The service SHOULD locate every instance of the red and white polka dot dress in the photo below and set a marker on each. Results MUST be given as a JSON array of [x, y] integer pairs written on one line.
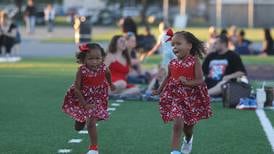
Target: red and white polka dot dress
[[94, 90], [180, 101]]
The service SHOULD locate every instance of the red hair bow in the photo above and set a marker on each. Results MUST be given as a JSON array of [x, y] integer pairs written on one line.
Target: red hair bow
[[169, 33], [83, 47]]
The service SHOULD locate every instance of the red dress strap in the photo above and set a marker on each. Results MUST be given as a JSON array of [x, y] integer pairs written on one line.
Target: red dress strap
[[93, 77], [184, 68]]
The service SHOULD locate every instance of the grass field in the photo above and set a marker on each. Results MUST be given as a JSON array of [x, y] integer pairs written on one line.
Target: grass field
[[31, 121], [254, 34]]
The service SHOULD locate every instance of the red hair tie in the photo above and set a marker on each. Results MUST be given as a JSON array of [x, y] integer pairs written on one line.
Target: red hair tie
[[170, 34], [83, 47]]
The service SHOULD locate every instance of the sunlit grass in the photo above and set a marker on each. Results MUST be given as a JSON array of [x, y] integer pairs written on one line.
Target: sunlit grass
[[31, 99], [255, 34]]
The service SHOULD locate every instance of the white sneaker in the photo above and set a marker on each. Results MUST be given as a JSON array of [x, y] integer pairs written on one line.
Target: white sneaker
[[93, 152], [175, 152], [186, 147]]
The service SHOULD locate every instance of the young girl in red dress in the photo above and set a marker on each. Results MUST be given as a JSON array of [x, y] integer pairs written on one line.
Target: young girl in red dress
[[86, 100], [184, 97]]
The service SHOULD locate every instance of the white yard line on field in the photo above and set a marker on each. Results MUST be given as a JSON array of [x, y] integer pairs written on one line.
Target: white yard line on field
[[115, 104], [120, 101], [83, 132], [266, 124], [110, 110], [75, 141], [64, 151]]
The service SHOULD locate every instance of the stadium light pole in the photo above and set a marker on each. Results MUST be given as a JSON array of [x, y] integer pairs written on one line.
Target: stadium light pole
[[182, 7], [165, 10], [250, 13], [219, 13]]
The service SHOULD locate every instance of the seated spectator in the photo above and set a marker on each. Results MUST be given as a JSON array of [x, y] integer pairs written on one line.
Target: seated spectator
[[128, 25], [164, 45], [155, 83], [243, 45], [232, 37], [223, 32], [211, 39], [7, 34], [119, 63], [147, 41], [221, 66], [268, 48], [136, 74]]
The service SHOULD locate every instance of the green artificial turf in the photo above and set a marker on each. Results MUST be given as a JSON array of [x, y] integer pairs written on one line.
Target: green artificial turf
[[31, 120]]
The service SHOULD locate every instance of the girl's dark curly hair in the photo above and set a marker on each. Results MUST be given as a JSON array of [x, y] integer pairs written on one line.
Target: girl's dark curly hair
[[197, 45], [85, 48]]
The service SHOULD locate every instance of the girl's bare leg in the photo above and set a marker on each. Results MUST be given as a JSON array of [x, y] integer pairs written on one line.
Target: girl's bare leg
[[177, 133], [92, 131]]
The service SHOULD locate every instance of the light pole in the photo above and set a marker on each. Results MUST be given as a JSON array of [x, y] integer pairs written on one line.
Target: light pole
[[165, 10], [182, 7], [219, 13], [180, 20], [250, 13]]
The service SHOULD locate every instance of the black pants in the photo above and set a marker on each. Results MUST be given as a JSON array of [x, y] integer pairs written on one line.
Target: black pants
[[6, 42]]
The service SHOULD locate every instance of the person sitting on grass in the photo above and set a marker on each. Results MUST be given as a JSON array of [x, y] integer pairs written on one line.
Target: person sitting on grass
[[136, 74], [86, 100], [268, 44], [119, 63], [7, 33], [164, 43], [243, 46], [221, 66]]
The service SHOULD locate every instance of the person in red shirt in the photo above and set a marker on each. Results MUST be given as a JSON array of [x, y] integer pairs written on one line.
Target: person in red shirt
[[119, 63]]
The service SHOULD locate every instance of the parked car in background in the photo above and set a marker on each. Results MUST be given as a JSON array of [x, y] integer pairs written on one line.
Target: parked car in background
[[155, 16], [108, 17], [132, 11], [59, 10]]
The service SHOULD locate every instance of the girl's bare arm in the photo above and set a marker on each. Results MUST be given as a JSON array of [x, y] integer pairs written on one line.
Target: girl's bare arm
[[78, 88], [163, 84], [108, 77]]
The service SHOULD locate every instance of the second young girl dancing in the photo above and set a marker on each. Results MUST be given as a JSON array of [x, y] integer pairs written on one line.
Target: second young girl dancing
[[184, 97]]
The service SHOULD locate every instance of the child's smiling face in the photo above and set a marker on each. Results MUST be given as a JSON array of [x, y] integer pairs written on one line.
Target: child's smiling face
[[181, 47], [93, 58]]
